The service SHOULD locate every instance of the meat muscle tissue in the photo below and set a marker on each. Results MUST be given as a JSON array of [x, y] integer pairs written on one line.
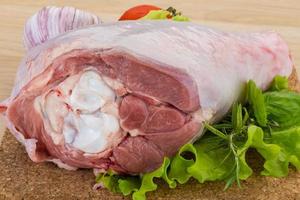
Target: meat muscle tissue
[[124, 95]]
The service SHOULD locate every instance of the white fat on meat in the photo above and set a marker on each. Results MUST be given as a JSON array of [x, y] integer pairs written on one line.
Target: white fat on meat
[[91, 93], [90, 120], [89, 133]]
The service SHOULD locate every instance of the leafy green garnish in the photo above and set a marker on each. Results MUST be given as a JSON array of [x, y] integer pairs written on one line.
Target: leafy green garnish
[[237, 117], [156, 14], [268, 122], [148, 185], [109, 181], [129, 185], [137, 186], [257, 103], [289, 141], [279, 83], [180, 18], [283, 109], [164, 14], [179, 164]]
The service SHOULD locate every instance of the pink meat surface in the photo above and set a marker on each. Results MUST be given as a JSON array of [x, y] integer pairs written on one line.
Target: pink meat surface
[[152, 83]]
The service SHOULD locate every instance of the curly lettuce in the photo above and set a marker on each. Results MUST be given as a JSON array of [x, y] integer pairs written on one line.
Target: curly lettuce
[[268, 122]]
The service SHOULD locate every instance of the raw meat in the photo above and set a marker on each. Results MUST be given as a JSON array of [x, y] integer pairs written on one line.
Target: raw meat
[[123, 95]]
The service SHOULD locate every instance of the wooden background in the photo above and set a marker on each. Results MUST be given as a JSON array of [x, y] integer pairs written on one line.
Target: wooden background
[[19, 176], [237, 15]]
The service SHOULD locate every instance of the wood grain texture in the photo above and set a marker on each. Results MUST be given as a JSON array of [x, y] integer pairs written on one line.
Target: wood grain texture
[[21, 179]]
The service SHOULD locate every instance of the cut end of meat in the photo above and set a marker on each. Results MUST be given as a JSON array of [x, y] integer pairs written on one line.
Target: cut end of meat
[[124, 95], [87, 115]]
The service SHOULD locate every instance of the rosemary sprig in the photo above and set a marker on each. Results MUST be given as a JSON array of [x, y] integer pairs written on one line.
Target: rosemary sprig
[[233, 132], [215, 131]]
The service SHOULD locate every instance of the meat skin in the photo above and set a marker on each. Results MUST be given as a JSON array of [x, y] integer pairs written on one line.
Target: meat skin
[[170, 71]]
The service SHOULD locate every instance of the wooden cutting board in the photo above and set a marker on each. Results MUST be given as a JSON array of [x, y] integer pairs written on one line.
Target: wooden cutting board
[[22, 179]]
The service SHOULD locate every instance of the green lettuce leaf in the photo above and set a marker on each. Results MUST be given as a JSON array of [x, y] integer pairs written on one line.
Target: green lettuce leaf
[[163, 14], [283, 109], [109, 181], [181, 18], [129, 184], [289, 142], [156, 14], [269, 151], [137, 186], [279, 83], [268, 122], [148, 184], [213, 160], [283, 149], [178, 167]]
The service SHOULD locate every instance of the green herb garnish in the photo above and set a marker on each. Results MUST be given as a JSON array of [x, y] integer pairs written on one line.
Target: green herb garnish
[[268, 122]]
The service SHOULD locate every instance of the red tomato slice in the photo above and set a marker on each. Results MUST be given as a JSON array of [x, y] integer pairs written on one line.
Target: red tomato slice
[[137, 12]]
